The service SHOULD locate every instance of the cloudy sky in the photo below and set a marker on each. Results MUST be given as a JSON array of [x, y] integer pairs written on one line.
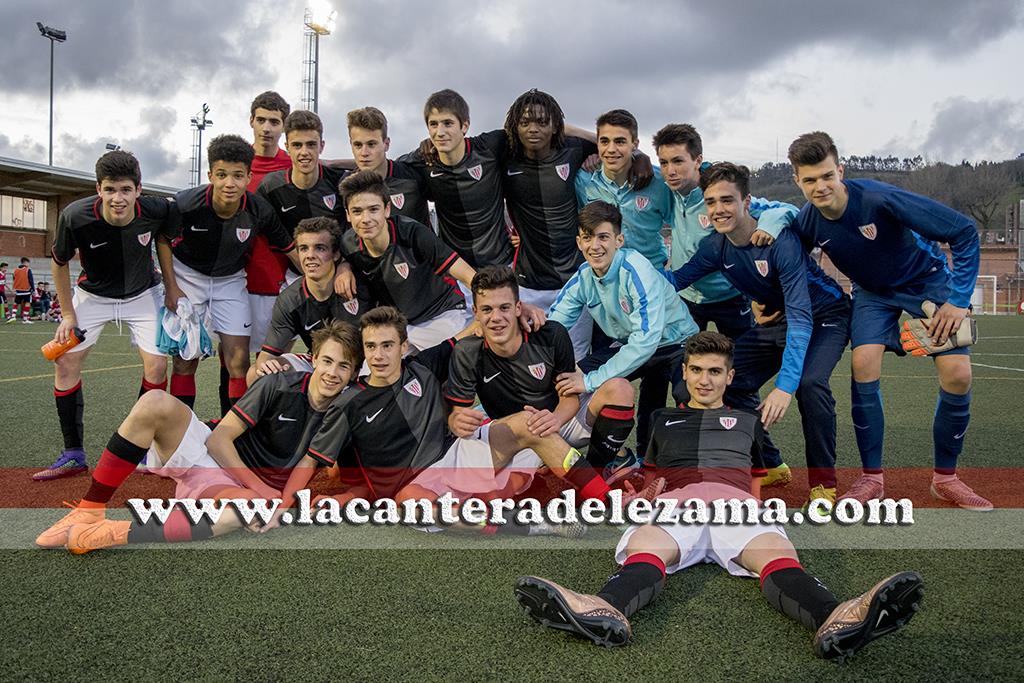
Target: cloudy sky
[[939, 78]]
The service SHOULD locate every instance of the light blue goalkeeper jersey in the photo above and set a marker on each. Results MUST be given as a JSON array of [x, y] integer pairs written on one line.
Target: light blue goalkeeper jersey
[[633, 303], [644, 211], [691, 225]]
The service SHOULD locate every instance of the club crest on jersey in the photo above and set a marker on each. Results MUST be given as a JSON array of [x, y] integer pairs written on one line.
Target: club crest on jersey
[[330, 200], [242, 234], [762, 267], [414, 388], [538, 370], [475, 172], [398, 200], [727, 422], [625, 306], [869, 231], [352, 306], [144, 238], [563, 171], [641, 203], [403, 269], [705, 222]]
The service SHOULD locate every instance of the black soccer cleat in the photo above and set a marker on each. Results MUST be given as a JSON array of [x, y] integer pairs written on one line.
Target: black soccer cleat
[[890, 604], [587, 616]]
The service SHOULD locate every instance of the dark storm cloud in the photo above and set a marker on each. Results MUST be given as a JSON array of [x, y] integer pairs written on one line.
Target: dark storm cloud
[[141, 46]]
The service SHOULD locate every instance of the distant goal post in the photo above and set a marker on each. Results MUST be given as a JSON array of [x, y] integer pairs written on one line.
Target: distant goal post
[[985, 297]]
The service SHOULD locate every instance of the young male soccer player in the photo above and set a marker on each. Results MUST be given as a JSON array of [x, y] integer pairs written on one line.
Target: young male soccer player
[[804, 347], [633, 304], [113, 235], [3, 291], [368, 135], [884, 239], [710, 299], [310, 303], [217, 227], [464, 181], [644, 211], [403, 263], [710, 452], [249, 455], [265, 270], [24, 285], [514, 373]]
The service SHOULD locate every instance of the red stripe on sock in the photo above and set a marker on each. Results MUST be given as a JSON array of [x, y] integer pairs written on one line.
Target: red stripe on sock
[[646, 558], [236, 387], [618, 413], [177, 528], [112, 470], [149, 386], [67, 392], [183, 385], [777, 564], [595, 488]]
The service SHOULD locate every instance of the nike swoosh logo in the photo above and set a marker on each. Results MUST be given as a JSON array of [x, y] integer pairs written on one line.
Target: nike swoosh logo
[[857, 426], [821, 244], [960, 435], [282, 418], [286, 209], [881, 615], [673, 422], [514, 172], [195, 229], [309, 327], [729, 265], [830, 324], [96, 246], [367, 272], [745, 312], [614, 440], [371, 418], [436, 175], [488, 379], [247, 325]]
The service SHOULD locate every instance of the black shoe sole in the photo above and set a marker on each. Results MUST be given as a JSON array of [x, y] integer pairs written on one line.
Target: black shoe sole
[[545, 605], [892, 607]]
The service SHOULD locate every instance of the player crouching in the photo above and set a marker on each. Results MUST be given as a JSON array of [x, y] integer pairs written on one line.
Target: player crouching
[[710, 452], [249, 455]]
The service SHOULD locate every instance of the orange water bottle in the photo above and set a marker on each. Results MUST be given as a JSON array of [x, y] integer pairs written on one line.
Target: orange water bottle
[[52, 350]]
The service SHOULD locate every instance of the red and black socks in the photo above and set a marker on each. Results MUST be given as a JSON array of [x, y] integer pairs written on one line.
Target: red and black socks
[[609, 433], [791, 590], [636, 584], [177, 529], [70, 405], [183, 388], [119, 459], [150, 386]]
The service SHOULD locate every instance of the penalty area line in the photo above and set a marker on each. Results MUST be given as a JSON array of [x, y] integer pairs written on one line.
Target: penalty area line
[[50, 375]]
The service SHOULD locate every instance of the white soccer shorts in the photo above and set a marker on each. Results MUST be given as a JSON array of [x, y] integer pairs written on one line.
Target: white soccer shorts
[[222, 301], [139, 313]]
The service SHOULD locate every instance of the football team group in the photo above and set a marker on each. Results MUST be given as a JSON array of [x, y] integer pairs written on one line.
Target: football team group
[[469, 351]]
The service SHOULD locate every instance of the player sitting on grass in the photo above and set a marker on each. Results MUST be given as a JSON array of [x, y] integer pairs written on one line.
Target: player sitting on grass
[[710, 452], [248, 455], [803, 347], [310, 303], [885, 240]]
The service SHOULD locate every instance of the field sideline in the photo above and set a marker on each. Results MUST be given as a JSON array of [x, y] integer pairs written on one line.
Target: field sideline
[[436, 609]]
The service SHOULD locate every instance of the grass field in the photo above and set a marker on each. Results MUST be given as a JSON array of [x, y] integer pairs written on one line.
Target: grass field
[[258, 608]]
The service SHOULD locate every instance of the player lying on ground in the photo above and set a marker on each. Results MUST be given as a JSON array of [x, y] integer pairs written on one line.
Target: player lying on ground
[[886, 241], [708, 452], [217, 226], [310, 303], [112, 235], [249, 455], [804, 341]]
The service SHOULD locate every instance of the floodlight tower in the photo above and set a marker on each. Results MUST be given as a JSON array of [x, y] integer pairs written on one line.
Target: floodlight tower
[[54, 35], [319, 21], [199, 124]]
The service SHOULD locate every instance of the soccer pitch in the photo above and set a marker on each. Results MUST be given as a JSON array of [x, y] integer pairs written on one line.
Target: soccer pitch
[[396, 604]]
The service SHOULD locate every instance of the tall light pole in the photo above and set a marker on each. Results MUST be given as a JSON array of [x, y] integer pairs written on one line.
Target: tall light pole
[[319, 21], [199, 124], [55, 35]]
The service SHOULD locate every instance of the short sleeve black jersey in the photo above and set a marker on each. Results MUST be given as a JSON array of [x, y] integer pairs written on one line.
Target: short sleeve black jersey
[[541, 199], [411, 274], [395, 431], [117, 262], [292, 204], [468, 200], [408, 196], [298, 312], [505, 385], [720, 445], [281, 425], [217, 246]]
